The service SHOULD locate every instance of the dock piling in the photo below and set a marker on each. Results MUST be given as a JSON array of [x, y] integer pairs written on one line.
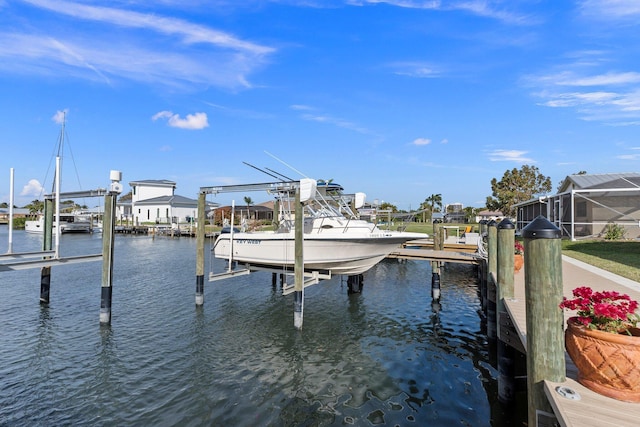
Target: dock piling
[[492, 274], [545, 329], [200, 232], [298, 305], [354, 284], [47, 245], [504, 289], [435, 281], [108, 232]]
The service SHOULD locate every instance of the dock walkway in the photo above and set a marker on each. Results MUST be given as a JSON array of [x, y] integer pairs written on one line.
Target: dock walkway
[[592, 409]]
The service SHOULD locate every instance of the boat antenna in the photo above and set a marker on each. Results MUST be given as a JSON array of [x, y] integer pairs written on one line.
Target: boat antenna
[[289, 166], [263, 171], [278, 173]]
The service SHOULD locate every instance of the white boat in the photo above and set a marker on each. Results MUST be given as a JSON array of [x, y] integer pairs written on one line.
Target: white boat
[[68, 224], [334, 239], [74, 222]]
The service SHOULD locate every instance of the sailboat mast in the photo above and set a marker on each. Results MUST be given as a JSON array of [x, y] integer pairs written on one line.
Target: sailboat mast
[[57, 184]]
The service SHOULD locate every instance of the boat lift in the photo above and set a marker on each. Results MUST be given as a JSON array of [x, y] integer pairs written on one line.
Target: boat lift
[[49, 257], [303, 190]]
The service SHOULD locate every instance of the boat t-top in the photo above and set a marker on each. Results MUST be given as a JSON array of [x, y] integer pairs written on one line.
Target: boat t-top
[[335, 239]]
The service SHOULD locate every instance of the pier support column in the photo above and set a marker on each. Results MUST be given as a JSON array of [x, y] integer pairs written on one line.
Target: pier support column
[[298, 302], [47, 245], [504, 288], [354, 284], [545, 320], [435, 281], [108, 232], [200, 232]]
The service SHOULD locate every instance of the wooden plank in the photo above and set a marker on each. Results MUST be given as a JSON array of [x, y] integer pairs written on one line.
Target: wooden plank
[[431, 255], [516, 309], [508, 333], [592, 409]]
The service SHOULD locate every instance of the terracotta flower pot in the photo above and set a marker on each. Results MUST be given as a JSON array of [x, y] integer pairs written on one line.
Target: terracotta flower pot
[[518, 262], [607, 363]]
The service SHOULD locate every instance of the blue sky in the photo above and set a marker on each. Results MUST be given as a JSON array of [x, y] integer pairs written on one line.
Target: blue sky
[[399, 99]]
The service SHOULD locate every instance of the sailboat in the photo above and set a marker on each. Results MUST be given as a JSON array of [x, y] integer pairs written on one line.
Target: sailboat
[[63, 222], [335, 240]]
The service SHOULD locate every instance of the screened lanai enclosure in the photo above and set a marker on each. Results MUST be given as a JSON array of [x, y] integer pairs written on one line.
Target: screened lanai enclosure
[[586, 205]]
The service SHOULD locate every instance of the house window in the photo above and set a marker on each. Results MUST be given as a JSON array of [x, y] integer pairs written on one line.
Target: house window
[[167, 213], [148, 214], [581, 209]]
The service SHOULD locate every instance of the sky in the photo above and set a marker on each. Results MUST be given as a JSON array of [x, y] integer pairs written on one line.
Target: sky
[[399, 99]]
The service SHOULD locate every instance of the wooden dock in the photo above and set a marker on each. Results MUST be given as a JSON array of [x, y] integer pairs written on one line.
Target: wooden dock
[[433, 255], [592, 409]]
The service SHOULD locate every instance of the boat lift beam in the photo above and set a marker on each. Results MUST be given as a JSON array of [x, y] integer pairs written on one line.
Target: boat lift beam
[[311, 277], [100, 192], [47, 262], [276, 187]]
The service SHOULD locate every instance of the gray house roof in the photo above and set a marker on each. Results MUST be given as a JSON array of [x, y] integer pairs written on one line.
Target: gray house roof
[[171, 200], [168, 200], [605, 180]]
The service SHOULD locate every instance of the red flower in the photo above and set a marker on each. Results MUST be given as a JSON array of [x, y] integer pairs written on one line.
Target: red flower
[[608, 310]]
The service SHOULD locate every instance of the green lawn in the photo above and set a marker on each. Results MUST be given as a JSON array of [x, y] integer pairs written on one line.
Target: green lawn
[[619, 257]]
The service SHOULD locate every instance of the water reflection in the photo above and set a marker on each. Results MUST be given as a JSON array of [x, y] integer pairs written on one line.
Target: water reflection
[[387, 356]]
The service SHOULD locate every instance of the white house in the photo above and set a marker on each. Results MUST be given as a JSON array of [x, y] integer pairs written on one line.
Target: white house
[[155, 201]]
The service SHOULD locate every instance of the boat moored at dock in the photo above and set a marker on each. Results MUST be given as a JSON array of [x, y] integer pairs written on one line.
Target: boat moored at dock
[[335, 240]]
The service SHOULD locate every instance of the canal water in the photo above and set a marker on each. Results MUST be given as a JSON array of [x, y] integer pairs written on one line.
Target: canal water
[[387, 356]]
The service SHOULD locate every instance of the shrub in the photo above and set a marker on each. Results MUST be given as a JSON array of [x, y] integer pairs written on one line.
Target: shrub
[[614, 232]]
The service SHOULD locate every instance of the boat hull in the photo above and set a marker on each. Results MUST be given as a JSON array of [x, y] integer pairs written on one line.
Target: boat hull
[[337, 254], [37, 226]]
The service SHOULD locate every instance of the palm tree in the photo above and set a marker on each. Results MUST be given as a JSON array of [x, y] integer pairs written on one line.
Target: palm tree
[[36, 206], [249, 202], [433, 201]]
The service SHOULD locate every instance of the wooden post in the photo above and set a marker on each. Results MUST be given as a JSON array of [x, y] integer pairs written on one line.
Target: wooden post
[[47, 245], [545, 321], [506, 241], [492, 248], [504, 289], [492, 276], [108, 231], [298, 304], [200, 231]]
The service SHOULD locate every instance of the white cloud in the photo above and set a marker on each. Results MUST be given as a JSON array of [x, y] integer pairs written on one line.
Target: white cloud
[[510, 156], [608, 96], [421, 141], [628, 157], [59, 116], [129, 45], [493, 9], [32, 188], [190, 33], [610, 8], [416, 69], [195, 121], [326, 119]]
